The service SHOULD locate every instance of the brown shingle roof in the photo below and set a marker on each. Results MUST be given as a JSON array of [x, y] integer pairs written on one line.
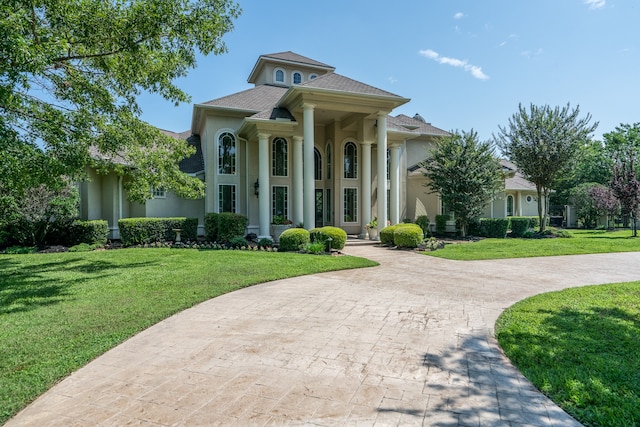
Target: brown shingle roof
[[294, 57], [516, 181], [333, 81], [256, 99], [415, 125]]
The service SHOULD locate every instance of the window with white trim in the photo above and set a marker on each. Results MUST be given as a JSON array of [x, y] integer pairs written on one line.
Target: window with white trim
[[312, 76], [227, 154], [226, 198], [279, 157], [317, 165], [510, 205], [350, 205], [296, 77], [159, 193], [279, 201], [350, 160], [328, 161], [278, 75]]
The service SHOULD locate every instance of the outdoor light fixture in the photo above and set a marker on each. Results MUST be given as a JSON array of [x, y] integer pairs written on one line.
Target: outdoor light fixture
[[256, 187]]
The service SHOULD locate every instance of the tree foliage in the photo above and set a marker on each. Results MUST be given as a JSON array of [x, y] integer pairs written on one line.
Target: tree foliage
[[466, 174], [542, 143], [604, 201], [70, 73]]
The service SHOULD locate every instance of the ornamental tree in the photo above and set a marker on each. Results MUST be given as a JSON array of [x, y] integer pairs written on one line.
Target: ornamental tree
[[604, 201], [466, 174], [542, 143], [70, 73], [626, 187]]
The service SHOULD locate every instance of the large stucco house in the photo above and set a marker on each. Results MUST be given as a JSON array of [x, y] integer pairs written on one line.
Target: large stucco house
[[304, 143]]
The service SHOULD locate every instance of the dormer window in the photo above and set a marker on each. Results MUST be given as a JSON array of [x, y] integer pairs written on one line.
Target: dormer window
[[312, 76], [279, 75], [296, 77]]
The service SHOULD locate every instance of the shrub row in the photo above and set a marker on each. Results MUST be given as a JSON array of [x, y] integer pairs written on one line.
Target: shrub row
[[140, 231], [293, 239], [224, 227], [402, 235], [93, 232]]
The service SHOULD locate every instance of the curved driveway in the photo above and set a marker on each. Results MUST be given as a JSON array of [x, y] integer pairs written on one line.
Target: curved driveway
[[407, 343]]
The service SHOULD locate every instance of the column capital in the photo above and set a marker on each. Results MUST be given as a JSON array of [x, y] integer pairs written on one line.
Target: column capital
[[264, 135], [366, 142], [297, 138], [307, 106], [382, 113]]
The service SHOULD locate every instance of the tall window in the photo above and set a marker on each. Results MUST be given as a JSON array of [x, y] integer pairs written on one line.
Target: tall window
[[350, 160], [350, 205], [227, 154], [388, 164], [226, 198], [279, 76], [327, 207], [279, 157], [317, 163], [328, 161], [280, 207], [297, 78], [509, 205]]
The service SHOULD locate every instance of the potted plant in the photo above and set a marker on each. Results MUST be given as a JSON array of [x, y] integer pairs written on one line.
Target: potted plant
[[372, 228], [278, 225]]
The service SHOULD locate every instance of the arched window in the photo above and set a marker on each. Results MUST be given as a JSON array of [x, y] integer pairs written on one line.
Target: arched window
[[350, 160], [227, 154], [312, 76], [279, 75], [328, 161], [279, 157], [296, 78], [317, 163], [388, 164], [509, 205]]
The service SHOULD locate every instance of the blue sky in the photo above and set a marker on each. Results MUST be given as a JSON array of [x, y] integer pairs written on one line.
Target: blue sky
[[464, 63]]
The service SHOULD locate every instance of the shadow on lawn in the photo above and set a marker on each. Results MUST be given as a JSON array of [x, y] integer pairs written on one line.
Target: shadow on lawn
[[26, 287], [586, 360]]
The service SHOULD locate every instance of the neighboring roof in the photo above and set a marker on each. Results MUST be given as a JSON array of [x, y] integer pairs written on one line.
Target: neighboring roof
[[256, 99], [415, 125], [515, 180], [117, 159], [195, 163], [337, 82]]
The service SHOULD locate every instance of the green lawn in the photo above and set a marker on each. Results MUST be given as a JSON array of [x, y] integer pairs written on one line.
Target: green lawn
[[59, 311], [580, 347], [583, 242]]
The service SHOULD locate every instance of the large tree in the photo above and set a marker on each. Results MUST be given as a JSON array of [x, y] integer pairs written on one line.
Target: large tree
[[466, 174], [70, 73], [542, 142]]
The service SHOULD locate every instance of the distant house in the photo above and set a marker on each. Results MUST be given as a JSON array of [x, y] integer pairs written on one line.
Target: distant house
[[304, 143]]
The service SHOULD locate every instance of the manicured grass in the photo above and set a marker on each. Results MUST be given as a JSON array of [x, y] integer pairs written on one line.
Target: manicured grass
[[59, 311], [583, 242], [581, 348]]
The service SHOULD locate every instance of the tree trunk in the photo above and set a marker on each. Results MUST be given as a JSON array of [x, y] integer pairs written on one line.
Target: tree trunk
[[541, 217]]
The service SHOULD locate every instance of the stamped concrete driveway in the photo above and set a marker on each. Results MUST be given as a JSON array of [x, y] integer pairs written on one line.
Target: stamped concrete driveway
[[407, 343]]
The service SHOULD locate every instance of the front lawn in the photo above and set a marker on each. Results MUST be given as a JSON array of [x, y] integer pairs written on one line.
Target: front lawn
[[580, 347], [583, 242], [59, 311]]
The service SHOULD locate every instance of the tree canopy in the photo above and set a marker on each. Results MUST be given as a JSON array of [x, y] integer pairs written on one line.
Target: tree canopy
[[466, 174], [542, 142], [70, 73]]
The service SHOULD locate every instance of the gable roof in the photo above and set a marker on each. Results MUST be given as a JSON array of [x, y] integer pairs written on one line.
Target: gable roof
[[515, 180], [404, 122], [288, 58], [256, 99], [337, 82]]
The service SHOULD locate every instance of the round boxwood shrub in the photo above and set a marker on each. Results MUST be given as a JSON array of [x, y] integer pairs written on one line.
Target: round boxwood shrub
[[408, 236], [338, 236], [292, 238], [386, 235]]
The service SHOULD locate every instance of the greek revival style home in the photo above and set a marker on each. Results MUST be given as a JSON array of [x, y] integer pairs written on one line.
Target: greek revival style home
[[303, 143]]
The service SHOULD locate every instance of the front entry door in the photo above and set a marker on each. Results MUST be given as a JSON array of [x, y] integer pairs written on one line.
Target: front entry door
[[319, 208]]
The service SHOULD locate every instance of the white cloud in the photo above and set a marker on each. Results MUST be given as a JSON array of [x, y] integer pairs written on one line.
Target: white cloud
[[474, 70], [595, 4], [392, 79], [458, 15]]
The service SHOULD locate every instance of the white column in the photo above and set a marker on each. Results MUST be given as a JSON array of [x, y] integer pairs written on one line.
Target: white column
[[395, 184], [298, 205], [382, 171], [366, 185], [265, 188], [309, 183], [211, 170]]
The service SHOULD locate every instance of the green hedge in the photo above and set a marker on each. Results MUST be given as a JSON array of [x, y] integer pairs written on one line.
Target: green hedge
[[408, 236], [386, 235], [423, 222], [224, 227], [494, 227], [140, 231], [441, 223], [292, 239], [338, 236], [89, 232], [519, 225]]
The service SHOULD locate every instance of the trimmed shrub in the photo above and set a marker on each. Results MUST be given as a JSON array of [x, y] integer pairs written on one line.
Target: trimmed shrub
[[211, 226], [89, 232], [423, 223], [265, 242], [441, 223], [140, 231], [494, 227], [386, 235], [338, 236], [408, 236], [238, 242], [474, 228], [519, 225], [231, 225], [293, 238]]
